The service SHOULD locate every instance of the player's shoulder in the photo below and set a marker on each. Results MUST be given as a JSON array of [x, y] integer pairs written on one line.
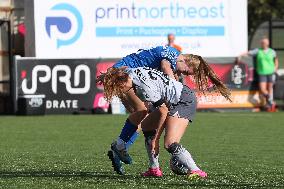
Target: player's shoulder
[[137, 71], [157, 48], [273, 52], [163, 48], [170, 48], [253, 52]]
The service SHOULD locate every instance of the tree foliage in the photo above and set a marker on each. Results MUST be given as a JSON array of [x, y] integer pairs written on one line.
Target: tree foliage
[[263, 10]]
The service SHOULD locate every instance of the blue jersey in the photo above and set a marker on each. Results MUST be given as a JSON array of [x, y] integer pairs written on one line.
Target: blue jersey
[[150, 58]]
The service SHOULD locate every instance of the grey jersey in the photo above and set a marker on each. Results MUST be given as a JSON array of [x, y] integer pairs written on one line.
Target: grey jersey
[[152, 85]]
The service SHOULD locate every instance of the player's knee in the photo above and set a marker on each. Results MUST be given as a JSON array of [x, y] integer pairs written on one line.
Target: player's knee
[[173, 148]]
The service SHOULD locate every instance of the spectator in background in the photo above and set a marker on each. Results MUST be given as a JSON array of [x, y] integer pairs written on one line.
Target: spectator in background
[[266, 66], [171, 42]]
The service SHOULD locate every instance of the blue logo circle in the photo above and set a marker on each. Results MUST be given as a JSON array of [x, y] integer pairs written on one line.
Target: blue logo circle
[[64, 24]]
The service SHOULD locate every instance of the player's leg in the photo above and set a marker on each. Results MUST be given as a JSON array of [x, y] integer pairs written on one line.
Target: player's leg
[[149, 126], [135, 118], [270, 82], [155, 121], [154, 167], [175, 127], [174, 130], [179, 116], [262, 84], [116, 163], [130, 129]]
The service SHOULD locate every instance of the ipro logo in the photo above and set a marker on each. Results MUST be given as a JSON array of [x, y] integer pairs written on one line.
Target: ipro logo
[[52, 76], [64, 29]]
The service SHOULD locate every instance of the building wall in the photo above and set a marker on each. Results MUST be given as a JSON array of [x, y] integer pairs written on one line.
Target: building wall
[[5, 10], [12, 10]]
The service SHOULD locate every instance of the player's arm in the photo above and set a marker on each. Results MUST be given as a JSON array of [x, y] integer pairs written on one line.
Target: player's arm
[[167, 69], [241, 55], [248, 53], [276, 62], [159, 131], [176, 76], [244, 54]]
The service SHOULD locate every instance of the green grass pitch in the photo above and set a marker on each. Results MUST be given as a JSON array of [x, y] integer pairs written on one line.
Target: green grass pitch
[[237, 150]]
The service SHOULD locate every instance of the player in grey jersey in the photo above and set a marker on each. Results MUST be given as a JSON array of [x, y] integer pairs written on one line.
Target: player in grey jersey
[[153, 86]]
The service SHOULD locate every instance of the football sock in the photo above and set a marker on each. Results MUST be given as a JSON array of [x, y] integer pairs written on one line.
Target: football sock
[[120, 144], [270, 99], [131, 140], [266, 96], [183, 156], [126, 134], [153, 158]]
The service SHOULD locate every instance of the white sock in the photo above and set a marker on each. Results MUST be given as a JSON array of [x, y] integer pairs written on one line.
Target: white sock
[[270, 99], [189, 161], [183, 156], [153, 158]]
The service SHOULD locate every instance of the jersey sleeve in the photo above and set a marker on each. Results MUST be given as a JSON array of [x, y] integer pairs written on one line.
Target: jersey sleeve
[[253, 52], [274, 54], [170, 54]]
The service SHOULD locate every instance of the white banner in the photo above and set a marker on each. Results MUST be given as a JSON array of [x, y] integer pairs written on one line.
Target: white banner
[[115, 28]]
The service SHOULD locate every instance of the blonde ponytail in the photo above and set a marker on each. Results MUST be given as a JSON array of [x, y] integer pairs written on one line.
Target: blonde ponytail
[[203, 73]]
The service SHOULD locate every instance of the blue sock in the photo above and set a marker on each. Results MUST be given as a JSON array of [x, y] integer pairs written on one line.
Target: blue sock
[[128, 131], [132, 140]]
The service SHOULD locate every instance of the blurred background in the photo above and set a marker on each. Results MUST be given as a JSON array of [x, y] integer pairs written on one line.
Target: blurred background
[[89, 36]]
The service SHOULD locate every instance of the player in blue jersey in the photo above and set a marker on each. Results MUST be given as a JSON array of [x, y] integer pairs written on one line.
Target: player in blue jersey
[[153, 86], [164, 58], [151, 58]]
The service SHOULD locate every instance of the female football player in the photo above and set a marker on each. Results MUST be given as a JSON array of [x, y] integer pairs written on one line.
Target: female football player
[[159, 89], [164, 58]]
